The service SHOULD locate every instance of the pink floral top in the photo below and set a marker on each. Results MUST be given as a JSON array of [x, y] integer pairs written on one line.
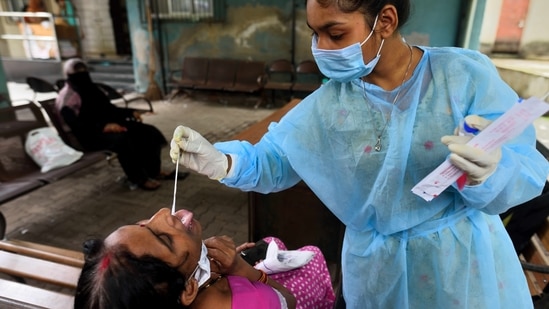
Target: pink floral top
[[311, 284]]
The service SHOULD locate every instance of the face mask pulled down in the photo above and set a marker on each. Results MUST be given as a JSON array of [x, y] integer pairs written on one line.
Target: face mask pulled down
[[344, 65], [202, 271]]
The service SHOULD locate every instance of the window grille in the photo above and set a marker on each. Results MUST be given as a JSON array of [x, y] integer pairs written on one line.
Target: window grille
[[12, 5], [187, 10]]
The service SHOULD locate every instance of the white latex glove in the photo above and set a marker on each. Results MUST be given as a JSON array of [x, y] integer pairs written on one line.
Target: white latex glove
[[277, 261], [475, 162], [197, 153]]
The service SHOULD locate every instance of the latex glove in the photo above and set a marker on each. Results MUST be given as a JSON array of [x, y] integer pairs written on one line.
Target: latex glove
[[197, 153], [277, 261], [475, 162]]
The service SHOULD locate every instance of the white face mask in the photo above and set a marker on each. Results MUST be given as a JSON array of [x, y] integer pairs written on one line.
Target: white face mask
[[202, 271]]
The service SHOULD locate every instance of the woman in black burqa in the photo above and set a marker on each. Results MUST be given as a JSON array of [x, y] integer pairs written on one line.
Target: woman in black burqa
[[98, 124]]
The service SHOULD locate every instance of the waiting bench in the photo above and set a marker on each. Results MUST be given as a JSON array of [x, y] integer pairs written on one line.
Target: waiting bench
[[24, 176], [16, 295], [232, 75], [32, 275], [38, 276]]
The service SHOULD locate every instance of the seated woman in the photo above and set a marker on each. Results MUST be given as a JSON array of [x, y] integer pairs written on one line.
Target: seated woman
[[97, 124], [164, 263]]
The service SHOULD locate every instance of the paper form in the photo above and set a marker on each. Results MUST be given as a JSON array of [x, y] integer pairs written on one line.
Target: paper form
[[503, 129]]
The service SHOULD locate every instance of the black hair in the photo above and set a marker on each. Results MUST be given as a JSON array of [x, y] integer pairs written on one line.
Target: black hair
[[116, 278], [370, 8]]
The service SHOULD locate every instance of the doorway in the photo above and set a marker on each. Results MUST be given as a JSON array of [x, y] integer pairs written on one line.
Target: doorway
[[119, 17]]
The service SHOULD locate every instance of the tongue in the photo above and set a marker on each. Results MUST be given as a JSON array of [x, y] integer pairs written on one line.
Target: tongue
[[185, 216]]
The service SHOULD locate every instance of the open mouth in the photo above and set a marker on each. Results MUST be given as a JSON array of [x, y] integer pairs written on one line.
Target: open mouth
[[186, 218]]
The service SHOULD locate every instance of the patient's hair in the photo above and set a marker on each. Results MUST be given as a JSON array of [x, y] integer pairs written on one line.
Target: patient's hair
[[116, 278]]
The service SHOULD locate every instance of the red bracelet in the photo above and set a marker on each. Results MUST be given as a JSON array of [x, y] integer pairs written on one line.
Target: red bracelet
[[264, 278]]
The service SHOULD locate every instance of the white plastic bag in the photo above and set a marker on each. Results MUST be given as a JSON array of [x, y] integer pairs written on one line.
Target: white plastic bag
[[47, 149]]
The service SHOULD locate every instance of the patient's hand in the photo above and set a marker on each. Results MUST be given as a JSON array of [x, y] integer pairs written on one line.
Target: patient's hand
[[224, 258], [114, 128], [222, 253], [244, 246], [137, 116]]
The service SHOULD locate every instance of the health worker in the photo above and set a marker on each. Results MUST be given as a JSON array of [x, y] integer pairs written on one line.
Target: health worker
[[363, 140]]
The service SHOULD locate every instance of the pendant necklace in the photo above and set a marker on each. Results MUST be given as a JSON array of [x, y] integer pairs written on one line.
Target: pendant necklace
[[378, 144]]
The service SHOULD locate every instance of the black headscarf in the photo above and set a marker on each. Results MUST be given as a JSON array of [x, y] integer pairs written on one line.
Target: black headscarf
[[95, 103]]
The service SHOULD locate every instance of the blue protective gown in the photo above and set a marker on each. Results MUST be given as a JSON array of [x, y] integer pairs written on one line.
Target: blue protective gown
[[400, 251]]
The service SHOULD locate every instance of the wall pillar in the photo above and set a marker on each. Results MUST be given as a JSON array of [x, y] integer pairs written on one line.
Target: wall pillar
[[535, 43], [4, 94], [490, 23], [139, 38], [470, 33]]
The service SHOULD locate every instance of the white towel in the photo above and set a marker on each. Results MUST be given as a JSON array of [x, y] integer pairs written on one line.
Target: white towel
[[277, 261]]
